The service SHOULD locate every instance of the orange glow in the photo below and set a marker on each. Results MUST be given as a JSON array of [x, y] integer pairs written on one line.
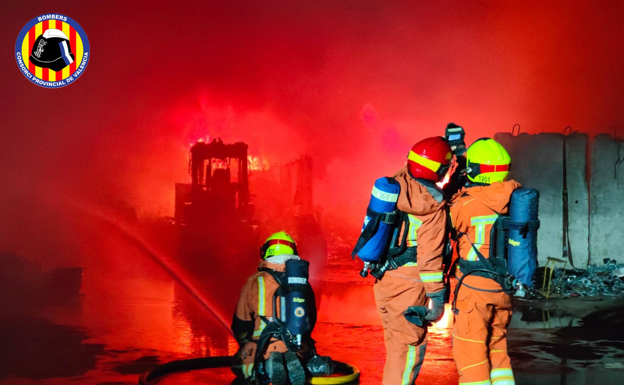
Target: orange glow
[[218, 163], [200, 140], [447, 320], [444, 180], [257, 163]]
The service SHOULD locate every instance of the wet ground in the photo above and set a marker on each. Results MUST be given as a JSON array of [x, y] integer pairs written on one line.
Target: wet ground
[[122, 326], [132, 315]]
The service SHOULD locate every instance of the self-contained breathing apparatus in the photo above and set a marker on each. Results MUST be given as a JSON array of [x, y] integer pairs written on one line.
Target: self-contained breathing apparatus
[[513, 247], [294, 323], [382, 244]]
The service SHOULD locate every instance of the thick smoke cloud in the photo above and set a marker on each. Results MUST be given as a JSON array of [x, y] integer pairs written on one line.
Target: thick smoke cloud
[[352, 83]]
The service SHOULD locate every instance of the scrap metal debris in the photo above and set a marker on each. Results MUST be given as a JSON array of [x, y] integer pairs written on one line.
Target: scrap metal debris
[[598, 280]]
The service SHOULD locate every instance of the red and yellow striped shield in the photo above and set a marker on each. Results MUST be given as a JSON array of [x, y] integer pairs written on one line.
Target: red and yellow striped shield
[[78, 46]]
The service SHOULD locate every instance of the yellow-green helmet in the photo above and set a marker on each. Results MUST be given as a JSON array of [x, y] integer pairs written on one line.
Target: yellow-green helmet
[[487, 161], [278, 244]]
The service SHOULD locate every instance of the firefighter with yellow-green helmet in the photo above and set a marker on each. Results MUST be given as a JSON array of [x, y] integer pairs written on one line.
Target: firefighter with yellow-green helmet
[[482, 303], [487, 162], [274, 319]]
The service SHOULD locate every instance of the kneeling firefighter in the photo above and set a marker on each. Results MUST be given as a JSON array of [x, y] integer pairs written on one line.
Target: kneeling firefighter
[[493, 247], [401, 244], [274, 320]]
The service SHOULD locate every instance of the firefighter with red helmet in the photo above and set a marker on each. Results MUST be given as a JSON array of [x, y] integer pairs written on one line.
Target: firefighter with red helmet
[[413, 275]]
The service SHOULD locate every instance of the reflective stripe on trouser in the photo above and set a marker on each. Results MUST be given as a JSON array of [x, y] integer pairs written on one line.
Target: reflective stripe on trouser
[[243, 370], [480, 338], [405, 342], [248, 370]]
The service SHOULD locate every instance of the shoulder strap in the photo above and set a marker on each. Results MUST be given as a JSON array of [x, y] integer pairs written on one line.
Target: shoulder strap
[[277, 275], [451, 235], [398, 246], [523, 227], [481, 257]]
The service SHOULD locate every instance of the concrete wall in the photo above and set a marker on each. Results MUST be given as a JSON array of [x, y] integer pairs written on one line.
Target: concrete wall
[[607, 200], [537, 161], [578, 198]]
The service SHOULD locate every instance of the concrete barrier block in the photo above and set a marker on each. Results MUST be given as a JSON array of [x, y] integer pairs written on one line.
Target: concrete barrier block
[[578, 198], [607, 200], [537, 161]]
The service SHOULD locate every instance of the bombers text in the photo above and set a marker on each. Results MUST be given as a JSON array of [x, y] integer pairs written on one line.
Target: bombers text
[[52, 16]]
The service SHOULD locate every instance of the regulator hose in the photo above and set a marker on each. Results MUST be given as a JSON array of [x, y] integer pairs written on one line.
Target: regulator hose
[[152, 376]]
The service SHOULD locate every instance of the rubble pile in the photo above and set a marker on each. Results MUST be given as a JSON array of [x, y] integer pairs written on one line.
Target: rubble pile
[[597, 280]]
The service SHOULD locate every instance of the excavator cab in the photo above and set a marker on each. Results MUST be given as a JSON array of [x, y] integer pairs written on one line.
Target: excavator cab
[[218, 195]]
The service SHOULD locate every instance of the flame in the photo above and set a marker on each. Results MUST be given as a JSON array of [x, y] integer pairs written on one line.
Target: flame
[[449, 172], [200, 140], [218, 163], [444, 180], [447, 319], [257, 163]]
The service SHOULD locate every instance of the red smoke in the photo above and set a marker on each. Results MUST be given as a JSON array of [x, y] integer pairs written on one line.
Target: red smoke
[[352, 83]]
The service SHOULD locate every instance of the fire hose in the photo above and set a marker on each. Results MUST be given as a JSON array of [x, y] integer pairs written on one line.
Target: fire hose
[[152, 376]]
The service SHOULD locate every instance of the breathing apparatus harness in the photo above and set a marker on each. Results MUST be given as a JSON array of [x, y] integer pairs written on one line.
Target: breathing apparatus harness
[[382, 245], [398, 254], [498, 266], [297, 315], [391, 219]]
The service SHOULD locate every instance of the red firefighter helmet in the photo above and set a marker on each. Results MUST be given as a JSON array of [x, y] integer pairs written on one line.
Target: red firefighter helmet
[[429, 159]]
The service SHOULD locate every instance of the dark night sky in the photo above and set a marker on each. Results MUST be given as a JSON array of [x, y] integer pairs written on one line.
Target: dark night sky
[[353, 83]]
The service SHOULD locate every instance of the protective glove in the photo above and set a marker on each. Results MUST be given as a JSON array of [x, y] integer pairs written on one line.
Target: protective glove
[[437, 309], [416, 315], [454, 135]]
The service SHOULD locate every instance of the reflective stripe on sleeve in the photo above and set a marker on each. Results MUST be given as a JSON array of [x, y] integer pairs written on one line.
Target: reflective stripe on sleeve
[[432, 277], [412, 230], [261, 306]]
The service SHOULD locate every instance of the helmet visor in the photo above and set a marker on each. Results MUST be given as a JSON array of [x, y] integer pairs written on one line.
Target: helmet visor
[[273, 242]]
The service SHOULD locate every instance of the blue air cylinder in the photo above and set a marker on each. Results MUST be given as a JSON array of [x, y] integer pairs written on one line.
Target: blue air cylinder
[[522, 243], [376, 233], [298, 307]]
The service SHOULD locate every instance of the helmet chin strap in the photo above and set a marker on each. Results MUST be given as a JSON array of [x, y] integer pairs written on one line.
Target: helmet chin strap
[[443, 170], [470, 183]]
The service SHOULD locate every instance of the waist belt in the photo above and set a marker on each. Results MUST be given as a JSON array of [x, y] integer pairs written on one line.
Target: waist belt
[[468, 266], [409, 255]]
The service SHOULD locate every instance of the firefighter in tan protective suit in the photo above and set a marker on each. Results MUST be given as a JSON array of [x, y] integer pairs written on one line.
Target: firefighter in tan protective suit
[[483, 309], [414, 276], [257, 325]]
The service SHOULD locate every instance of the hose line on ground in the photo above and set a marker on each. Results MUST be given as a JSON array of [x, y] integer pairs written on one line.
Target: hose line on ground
[[354, 374], [155, 374]]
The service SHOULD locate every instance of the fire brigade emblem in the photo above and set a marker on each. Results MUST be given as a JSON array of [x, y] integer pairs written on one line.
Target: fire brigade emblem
[[52, 50], [299, 312]]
